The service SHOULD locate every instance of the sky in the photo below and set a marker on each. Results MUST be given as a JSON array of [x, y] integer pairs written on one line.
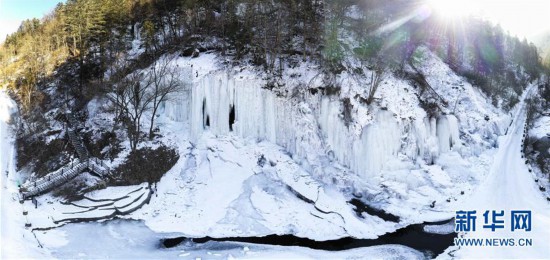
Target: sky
[[13, 12], [524, 18]]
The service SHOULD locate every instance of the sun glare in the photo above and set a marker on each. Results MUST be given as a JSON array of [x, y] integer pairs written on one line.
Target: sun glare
[[524, 18], [454, 8]]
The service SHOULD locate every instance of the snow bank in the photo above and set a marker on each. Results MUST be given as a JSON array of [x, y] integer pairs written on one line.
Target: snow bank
[[96, 205]]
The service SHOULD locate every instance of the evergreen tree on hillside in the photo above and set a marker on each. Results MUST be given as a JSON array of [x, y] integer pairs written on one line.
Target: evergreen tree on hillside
[[87, 36]]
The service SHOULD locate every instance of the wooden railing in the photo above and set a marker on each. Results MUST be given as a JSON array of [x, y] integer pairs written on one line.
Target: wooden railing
[[69, 171]]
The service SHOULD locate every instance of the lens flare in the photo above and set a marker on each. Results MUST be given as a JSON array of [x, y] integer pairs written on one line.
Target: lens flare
[[454, 8]]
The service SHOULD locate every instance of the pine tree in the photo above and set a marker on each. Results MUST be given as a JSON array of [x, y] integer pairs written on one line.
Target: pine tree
[[84, 23]]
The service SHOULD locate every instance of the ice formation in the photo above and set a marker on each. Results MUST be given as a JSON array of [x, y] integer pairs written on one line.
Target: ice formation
[[7, 109], [447, 132], [222, 103], [365, 154], [176, 108]]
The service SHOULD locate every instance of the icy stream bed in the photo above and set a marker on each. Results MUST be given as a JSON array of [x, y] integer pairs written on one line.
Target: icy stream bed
[[431, 244], [133, 239]]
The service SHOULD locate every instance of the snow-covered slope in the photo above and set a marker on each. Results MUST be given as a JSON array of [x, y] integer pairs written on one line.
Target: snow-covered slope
[[259, 159], [391, 154], [223, 192], [508, 187], [397, 129], [16, 241]]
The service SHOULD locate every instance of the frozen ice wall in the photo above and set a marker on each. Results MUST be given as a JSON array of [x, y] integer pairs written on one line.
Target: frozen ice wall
[[384, 139], [447, 133], [425, 143], [365, 154], [177, 106], [7, 150], [222, 103]]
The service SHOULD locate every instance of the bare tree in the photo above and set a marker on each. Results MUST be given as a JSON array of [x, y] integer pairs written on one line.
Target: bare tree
[[138, 92], [131, 97], [378, 74], [166, 83], [117, 72]]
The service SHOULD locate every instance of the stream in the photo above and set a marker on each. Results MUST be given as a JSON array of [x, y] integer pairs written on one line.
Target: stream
[[412, 236]]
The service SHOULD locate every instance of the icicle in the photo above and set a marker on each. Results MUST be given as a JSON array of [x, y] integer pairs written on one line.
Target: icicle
[[425, 140], [336, 134], [240, 105], [443, 134], [453, 129], [378, 143], [177, 107], [447, 133]]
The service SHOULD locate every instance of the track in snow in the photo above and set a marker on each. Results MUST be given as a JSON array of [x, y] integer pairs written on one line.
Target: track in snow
[[510, 186]]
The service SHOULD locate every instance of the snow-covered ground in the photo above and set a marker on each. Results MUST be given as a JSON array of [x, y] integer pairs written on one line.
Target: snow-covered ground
[[96, 205], [223, 192], [541, 127], [127, 238], [291, 166]]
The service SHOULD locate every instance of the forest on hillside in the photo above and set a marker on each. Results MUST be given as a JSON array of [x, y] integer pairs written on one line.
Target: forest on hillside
[[82, 42], [320, 129]]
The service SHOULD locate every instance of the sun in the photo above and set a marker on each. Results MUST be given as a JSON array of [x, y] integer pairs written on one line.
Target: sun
[[454, 8]]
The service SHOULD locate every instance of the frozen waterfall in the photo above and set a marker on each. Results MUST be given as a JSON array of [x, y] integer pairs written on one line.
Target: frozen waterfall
[[222, 103], [447, 133], [364, 154], [7, 109]]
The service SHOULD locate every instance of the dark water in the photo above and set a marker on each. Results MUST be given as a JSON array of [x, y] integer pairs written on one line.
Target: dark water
[[412, 236], [361, 207]]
